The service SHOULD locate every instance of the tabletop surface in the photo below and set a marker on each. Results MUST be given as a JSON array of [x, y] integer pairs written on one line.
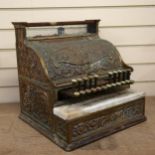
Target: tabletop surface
[[18, 138]]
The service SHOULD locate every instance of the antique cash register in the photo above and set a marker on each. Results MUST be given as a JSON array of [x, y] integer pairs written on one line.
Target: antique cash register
[[74, 86]]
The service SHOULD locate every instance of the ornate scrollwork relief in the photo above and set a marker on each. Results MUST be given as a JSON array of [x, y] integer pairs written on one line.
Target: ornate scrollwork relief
[[107, 120]]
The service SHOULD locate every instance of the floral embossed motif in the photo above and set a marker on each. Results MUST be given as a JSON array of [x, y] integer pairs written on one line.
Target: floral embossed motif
[[108, 120]]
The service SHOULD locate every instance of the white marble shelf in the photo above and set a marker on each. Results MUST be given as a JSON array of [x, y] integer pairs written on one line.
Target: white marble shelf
[[72, 111]]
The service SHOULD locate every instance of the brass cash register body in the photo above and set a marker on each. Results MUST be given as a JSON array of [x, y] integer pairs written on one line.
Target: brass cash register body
[[59, 69]]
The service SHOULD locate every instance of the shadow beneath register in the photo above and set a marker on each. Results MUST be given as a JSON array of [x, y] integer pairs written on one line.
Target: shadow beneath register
[[108, 143]]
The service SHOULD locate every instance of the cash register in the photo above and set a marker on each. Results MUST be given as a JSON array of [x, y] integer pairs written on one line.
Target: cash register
[[74, 85]]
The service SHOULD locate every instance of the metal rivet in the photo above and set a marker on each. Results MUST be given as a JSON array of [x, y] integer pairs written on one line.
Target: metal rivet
[[74, 80], [96, 75], [123, 82], [82, 92], [113, 84], [76, 94], [94, 90], [88, 91], [104, 87], [98, 88], [110, 73], [118, 83]]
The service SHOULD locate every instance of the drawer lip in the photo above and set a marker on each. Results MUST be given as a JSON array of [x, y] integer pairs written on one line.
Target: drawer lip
[[69, 112]]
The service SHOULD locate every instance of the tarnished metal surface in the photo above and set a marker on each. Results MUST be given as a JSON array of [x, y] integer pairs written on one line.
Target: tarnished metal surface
[[76, 68], [66, 58]]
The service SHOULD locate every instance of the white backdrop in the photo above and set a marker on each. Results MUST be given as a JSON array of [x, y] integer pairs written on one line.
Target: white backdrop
[[128, 24]]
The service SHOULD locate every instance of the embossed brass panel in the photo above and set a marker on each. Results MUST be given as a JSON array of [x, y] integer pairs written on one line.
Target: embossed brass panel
[[60, 67]]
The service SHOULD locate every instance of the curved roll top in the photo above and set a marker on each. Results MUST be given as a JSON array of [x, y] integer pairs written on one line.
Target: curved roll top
[[67, 58]]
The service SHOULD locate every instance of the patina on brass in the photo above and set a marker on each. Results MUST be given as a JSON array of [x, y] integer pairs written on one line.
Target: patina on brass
[[68, 67]]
